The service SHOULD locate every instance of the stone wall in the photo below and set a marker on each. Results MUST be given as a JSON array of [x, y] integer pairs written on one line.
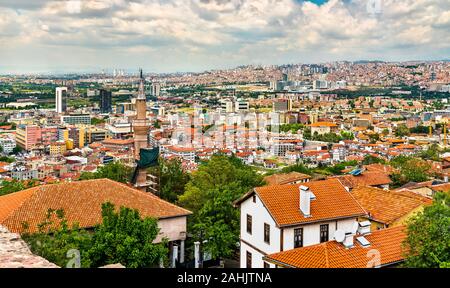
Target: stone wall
[[14, 253]]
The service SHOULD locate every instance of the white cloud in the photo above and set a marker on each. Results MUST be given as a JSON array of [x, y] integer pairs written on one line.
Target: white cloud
[[197, 34]]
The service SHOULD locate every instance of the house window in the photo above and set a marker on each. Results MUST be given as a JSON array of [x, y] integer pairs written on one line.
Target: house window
[[254, 198], [323, 233], [266, 265], [249, 224], [249, 260], [267, 233], [298, 237]]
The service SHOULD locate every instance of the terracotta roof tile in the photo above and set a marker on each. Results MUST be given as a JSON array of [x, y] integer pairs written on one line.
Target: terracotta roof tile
[[81, 202], [279, 179], [387, 206], [367, 178], [332, 254], [332, 201]]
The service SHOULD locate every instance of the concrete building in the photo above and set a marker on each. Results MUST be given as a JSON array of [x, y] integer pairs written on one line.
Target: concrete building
[[105, 101], [7, 145], [156, 89], [76, 119], [28, 136], [57, 148], [61, 99]]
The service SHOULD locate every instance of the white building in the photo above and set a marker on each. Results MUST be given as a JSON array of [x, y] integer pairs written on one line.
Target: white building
[[282, 217], [156, 89], [227, 106], [61, 99], [242, 106], [7, 145]]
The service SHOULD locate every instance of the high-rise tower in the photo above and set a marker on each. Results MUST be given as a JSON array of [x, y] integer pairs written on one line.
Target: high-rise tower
[[61, 99]]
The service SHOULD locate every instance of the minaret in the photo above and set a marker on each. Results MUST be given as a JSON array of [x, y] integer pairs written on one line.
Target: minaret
[[141, 127]]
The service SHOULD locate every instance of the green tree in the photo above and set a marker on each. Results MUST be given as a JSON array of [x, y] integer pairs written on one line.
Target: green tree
[[55, 238], [431, 153], [374, 138], [97, 121], [17, 150], [172, 179], [297, 168], [125, 238], [347, 135], [115, 171], [402, 130], [369, 159], [409, 170], [8, 187], [7, 159], [210, 195], [428, 235]]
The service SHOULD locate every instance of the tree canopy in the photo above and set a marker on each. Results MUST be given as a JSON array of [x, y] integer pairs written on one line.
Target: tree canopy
[[172, 179], [428, 235], [115, 171], [210, 195], [409, 170]]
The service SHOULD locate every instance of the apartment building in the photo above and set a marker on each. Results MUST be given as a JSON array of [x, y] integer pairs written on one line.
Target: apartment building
[[7, 145], [28, 136]]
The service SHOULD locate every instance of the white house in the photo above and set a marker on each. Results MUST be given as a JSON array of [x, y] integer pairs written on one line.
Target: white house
[[282, 217]]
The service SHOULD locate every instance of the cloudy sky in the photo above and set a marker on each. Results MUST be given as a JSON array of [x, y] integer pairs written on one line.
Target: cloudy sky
[[196, 35]]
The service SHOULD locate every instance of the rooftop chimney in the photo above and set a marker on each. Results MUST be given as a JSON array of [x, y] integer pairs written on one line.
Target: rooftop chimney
[[305, 201], [364, 228], [348, 241]]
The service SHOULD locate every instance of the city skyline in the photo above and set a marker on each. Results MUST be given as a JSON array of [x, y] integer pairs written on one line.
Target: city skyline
[[194, 36]]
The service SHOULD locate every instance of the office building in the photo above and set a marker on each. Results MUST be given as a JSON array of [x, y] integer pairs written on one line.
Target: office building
[[105, 101], [76, 119], [156, 89]]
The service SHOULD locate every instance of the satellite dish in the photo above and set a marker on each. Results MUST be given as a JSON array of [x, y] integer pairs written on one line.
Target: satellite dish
[[339, 235], [355, 227]]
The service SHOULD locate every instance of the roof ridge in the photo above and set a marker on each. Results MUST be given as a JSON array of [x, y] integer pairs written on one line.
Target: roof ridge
[[149, 194]]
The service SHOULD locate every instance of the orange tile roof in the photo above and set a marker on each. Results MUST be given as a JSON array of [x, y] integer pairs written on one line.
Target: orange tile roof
[[387, 206], [367, 178], [81, 202], [332, 254], [380, 168], [280, 179], [323, 124], [118, 141], [332, 201]]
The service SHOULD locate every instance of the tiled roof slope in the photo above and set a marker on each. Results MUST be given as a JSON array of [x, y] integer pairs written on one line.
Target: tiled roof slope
[[387, 206], [388, 242], [332, 201], [279, 179], [81, 202], [367, 178]]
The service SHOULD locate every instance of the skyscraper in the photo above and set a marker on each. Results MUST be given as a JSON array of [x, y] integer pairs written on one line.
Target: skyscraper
[[156, 88], [61, 99], [105, 101]]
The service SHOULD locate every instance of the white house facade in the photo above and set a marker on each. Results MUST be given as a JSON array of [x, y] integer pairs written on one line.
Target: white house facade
[[273, 218]]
